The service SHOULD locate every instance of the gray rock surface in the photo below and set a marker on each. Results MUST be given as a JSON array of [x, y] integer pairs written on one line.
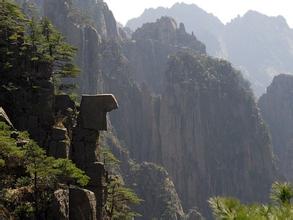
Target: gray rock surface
[[277, 110], [150, 47], [82, 204], [60, 205], [257, 44], [94, 109]]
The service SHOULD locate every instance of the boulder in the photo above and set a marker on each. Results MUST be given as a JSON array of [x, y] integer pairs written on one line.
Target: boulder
[[93, 110], [82, 204], [60, 205]]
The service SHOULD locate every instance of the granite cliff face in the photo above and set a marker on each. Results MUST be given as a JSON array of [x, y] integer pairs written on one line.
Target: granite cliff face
[[206, 129], [150, 47], [202, 125], [212, 135], [277, 110], [204, 25], [105, 69], [259, 45]]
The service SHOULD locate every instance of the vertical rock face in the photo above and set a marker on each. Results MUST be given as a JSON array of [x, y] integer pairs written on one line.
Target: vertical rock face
[[85, 147], [203, 126], [213, 141], [60, 205], [277, 110], [82, 204], [150, 47], [98, 13]]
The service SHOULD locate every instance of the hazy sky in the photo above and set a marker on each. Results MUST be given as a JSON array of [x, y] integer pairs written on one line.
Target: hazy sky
[[224, 9]]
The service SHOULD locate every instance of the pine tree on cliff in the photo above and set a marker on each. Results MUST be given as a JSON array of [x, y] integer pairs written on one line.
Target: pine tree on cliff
[[12, 28], [28, 178], [279, 208], [119, 198], [27, 44]]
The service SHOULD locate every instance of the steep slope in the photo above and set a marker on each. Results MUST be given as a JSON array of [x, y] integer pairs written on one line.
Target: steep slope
[[204, 127], [105, 69], [212, 135], [150, 46], [204, 25], [277, 110], [259, 45]]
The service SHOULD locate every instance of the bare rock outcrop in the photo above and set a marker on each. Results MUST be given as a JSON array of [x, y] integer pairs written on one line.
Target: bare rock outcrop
[[150, 47], [277, 110], [203, 127], [60, 205], [212, 135], [82, 204]]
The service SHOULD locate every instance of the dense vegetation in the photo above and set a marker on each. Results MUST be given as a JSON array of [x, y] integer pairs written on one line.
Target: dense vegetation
[[32, 50], [28, 178], [280, 207], [28, 44]]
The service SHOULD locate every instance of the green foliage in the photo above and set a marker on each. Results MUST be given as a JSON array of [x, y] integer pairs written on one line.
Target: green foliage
[[108, 158], [26, 45], [12, 27], [119, 200], [282, 193], [281, 208], [28, 178]]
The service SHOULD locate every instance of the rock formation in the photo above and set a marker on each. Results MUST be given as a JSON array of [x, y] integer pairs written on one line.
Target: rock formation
[[204, 25], [202, 125], [150, 47], [161, 200], [212, 135], [259, 45], [277, 110], [85, 150]]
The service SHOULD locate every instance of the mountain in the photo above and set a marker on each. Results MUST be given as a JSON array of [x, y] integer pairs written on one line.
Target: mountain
[[277, 109], [204, 25], [187, 128], [259, 45], [150, 46], [202, 121]]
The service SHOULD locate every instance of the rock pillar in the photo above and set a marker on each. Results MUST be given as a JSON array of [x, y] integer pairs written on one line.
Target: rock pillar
[[85, 144]]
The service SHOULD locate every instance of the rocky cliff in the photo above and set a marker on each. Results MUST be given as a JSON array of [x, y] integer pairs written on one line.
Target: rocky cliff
[[212, 135], [150, 46], [202, 125], [105, 69], [277, 110], [204, 25], [259, 45]]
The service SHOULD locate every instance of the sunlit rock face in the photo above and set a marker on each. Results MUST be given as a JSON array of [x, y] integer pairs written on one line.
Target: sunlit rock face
[[277, 110], [202, 125], [213, 140], [150, 47]]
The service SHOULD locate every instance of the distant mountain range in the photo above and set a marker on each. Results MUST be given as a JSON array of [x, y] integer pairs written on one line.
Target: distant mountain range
[[259, 45]]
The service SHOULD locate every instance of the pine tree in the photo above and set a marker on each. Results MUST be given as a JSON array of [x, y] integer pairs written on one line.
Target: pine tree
[[26, 44], [28, 178], [279, 208]]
